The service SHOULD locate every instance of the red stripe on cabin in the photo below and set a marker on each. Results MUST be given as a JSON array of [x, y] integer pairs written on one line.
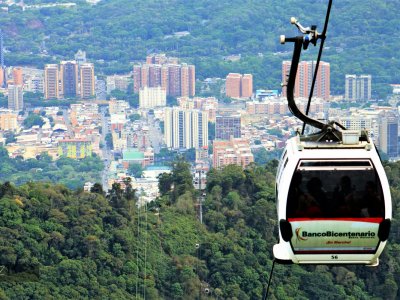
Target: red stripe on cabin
[[367, 220]]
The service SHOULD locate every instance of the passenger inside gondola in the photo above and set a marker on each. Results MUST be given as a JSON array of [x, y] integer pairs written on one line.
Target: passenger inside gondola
[[372, 204], [344, 198], [317, 193], [333, 193], [308, 208]]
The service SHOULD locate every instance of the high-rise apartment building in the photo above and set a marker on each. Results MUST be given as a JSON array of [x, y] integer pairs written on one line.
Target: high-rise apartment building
[[154, 76], [351, 87], [247, 86], [69, 79], [358, 88], [51, 78], [364, 87], [192, 81], [174, 74], [152, 97], [304, 79], [233, 82], [389, 134], [185, 129], [239, 86], [15, 97], [18, 76], [137, 77], [232, 152], [176, 79], [87, 80], [227, 127], [184, 80], [209, 104]]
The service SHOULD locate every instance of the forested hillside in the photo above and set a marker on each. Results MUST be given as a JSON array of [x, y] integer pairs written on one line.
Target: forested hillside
[[60, 244], [363, 35], [67, 171]]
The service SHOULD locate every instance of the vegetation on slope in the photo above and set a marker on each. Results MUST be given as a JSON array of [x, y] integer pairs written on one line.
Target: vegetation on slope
[[67, 171], [86, 245]]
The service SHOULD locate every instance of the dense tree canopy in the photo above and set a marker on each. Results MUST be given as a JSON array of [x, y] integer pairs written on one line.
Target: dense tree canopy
[[65, 244], [72, 173]]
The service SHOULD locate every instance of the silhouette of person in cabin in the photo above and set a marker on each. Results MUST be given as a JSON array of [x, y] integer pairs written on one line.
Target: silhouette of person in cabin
[[316, 192], [372, 205], [344, 198]]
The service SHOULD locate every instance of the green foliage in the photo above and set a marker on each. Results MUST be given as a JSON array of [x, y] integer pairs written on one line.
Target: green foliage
[[33, 120], [134, 117], [119, 95], [10, 137], [67, 171], [262, 156], [135, 170], [172, 101], [37, 100], [86, 245], [109, 141]]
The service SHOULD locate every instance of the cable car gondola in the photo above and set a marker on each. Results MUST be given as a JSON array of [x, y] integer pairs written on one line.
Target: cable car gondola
[[333, 197]]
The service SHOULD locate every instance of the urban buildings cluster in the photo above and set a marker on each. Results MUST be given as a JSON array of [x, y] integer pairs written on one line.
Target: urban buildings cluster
[[304, 78], [69, 79], [220, 133], [177, 79]]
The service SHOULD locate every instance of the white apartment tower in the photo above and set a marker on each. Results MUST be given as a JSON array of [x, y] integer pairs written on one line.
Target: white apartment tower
[[151, 97], [358, 88], [185, 129], [15, 97]]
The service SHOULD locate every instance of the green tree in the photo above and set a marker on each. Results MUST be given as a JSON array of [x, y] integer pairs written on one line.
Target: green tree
[[136, 170], [164, 183], [109, 141], [33, 120], [134, 117]]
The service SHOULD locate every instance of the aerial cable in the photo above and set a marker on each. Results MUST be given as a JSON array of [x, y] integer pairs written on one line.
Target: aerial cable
[[145, 253], [137, 253], [321, 47], [269, 280]]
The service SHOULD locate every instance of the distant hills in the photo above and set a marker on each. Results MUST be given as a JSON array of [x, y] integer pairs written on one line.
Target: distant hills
[[363, 36]]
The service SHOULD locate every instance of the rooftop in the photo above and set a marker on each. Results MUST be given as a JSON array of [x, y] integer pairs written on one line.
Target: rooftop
[[132, 154]]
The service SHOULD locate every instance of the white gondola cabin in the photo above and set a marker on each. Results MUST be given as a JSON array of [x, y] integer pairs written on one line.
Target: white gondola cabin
[[333, 202], [333, 197]]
